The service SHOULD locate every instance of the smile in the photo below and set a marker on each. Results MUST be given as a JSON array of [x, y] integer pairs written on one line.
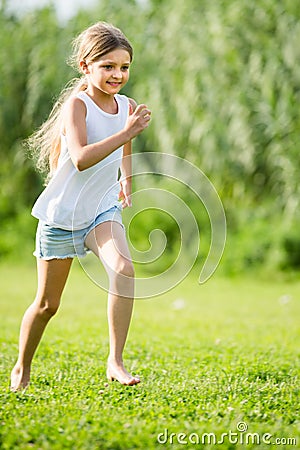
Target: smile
[[114, 83]]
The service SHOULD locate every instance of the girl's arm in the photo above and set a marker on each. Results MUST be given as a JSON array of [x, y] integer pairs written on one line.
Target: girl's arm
[[126, 167], [86, 155], [126, 173]]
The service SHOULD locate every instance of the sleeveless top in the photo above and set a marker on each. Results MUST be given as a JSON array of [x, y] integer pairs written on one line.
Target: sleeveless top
[[73, 199]]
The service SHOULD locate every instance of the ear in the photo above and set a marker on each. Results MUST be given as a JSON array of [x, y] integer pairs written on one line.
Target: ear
[[84, 67]]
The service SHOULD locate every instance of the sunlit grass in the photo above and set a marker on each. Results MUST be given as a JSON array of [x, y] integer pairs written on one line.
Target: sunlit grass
[[209, 357]]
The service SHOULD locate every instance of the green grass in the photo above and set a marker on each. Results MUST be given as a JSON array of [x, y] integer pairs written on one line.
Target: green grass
[[209, 356]]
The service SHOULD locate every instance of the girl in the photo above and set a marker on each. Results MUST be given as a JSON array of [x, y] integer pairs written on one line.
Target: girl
[[86, 140]]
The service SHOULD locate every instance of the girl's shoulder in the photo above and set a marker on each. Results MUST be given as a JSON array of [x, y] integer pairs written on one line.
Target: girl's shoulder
[[75, 100], [128, 100], [74, 104]]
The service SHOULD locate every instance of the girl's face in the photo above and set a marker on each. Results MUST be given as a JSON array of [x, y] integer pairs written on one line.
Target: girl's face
[[109, 73]]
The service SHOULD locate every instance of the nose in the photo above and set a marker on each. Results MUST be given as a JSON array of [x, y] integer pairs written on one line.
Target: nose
[[117, 73]]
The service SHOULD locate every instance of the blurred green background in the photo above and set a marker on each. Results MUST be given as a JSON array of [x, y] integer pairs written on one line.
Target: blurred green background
[[222, 79]]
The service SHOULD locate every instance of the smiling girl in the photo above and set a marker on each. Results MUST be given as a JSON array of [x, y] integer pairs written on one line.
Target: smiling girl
[[84, 142]]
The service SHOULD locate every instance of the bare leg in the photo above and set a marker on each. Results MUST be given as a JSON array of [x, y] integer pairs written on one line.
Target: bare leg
[[108, 242], [52, 276]]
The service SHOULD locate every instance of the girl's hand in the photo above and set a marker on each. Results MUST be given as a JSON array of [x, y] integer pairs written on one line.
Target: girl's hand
[[138, 121], [125, 193]]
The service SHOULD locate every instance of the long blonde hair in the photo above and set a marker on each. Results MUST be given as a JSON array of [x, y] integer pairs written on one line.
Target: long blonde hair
[[89, 46]]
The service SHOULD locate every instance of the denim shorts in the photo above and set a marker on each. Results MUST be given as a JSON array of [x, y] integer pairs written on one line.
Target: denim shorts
[[56, 243]]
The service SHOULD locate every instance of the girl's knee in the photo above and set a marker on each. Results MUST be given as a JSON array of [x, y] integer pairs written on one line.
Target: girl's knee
[[123, 267], [47, 306], [126, 268]]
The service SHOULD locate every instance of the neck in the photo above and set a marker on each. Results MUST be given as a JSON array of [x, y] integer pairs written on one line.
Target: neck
[[106, 102]]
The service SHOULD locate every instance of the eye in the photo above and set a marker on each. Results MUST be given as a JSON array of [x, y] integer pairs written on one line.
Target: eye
[[107, 66], [125, 68]]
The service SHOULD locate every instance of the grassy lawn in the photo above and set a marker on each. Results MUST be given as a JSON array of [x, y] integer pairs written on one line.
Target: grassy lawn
[[216, 358]]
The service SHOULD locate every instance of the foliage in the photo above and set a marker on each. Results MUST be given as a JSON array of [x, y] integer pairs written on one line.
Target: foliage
[[226, 74], [220, 77], [291, 246], [209, 357], [32, 75]]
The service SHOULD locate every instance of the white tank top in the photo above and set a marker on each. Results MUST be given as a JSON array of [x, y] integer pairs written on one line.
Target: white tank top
[[73, 199]]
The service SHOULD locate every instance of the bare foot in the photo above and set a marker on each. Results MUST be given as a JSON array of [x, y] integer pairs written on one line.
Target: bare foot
[[118, 372], [19, 380]]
